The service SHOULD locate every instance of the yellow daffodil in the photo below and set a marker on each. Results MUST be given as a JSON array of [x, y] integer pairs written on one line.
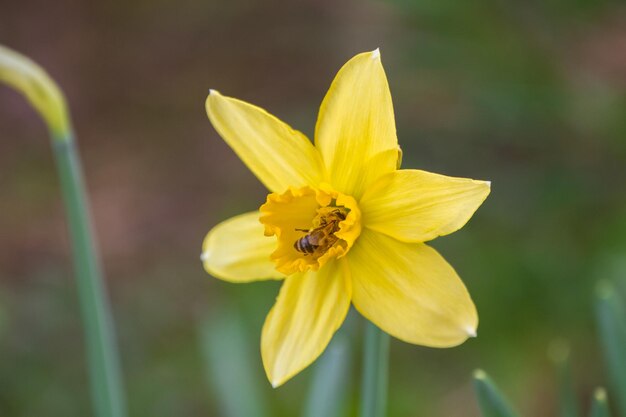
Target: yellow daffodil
[[342, 224]]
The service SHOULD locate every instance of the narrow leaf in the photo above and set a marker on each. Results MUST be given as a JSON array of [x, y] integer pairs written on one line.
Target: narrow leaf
[[559, 354], [599, 404], [327, 394], [226, 348], [612, 327], [375, 372], [491, 401]]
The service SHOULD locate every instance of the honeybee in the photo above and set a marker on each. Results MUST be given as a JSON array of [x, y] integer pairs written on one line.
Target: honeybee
[[323, 235]]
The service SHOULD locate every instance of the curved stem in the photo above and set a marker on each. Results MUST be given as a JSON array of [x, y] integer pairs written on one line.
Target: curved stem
[[29, 79], [375, 372], [102, 355]]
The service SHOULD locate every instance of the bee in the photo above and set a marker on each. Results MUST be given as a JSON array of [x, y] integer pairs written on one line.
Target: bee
[[323, 235]]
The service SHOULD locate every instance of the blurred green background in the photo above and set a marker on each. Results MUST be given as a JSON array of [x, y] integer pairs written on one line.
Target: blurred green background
[[528, 94]]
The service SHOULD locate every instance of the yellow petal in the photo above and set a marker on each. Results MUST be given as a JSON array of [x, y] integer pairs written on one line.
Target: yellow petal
[[355, 131], [278, 155], [236, 250], [310, 307], [410, 291], [417, 206], [42, 92]]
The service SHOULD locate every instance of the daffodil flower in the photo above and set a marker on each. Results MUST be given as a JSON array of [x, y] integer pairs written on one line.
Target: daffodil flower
[[342, 224]]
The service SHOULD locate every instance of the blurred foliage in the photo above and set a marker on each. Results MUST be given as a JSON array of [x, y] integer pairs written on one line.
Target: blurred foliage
[[227, 349], [530, 95], [568, 402], [491, 401], [611, 323], [611, 318], [599, 404]]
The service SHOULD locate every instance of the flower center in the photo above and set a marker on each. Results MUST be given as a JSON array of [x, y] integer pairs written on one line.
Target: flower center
[[312, 227], [321, 236]]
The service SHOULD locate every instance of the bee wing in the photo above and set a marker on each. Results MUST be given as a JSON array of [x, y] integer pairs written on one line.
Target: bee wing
[[316, 236]]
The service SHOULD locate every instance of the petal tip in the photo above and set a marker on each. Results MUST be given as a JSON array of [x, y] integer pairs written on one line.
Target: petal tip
[[210, 101], [488, 183], [275, 380], [212, 94], [204, 256], [471, 331], [376, 53]]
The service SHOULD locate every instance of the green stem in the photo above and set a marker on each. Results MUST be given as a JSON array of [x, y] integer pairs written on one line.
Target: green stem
[[375, 372], [106, 385]]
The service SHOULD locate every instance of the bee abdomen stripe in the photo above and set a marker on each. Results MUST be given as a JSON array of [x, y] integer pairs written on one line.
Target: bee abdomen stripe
[[304, 245]]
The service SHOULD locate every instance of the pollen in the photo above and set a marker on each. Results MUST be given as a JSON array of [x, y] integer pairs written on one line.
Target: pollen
[[312, 226]]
